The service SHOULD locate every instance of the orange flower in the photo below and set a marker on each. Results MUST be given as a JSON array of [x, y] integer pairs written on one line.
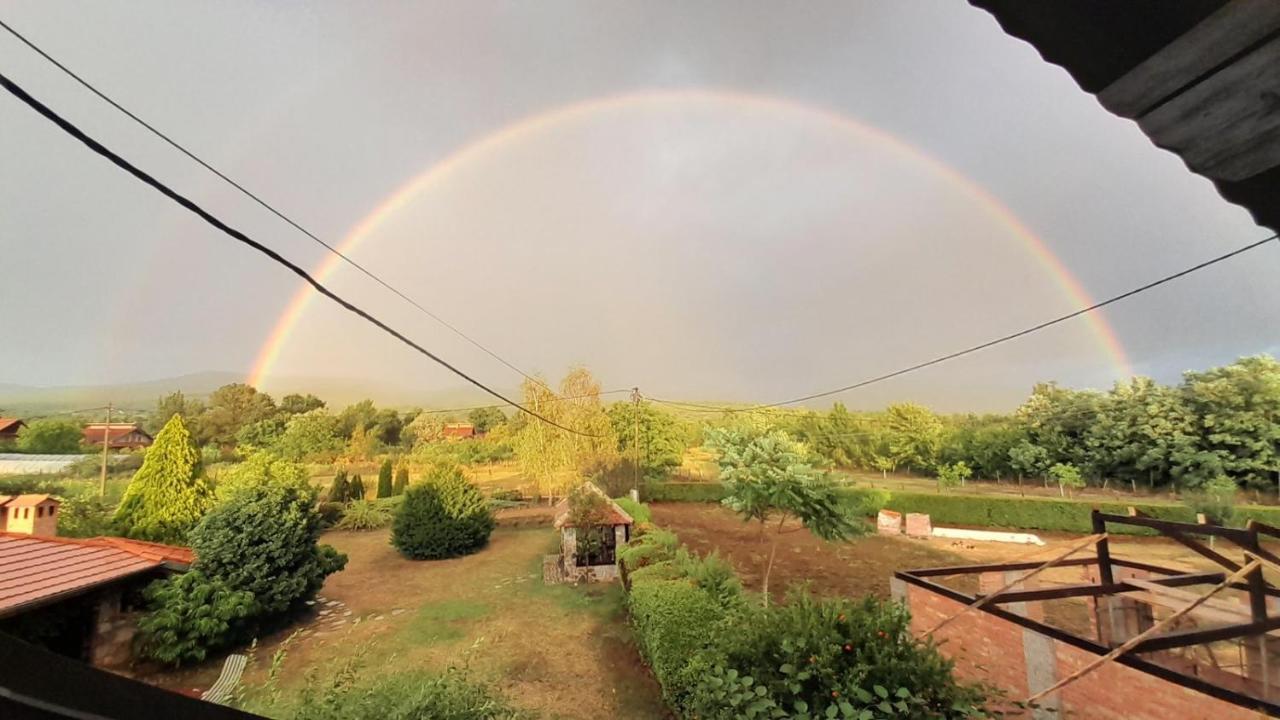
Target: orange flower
[[835, 694]]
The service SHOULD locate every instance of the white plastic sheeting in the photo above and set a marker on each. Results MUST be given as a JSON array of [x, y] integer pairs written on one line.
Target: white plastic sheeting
[[23, 464], [987, 535]]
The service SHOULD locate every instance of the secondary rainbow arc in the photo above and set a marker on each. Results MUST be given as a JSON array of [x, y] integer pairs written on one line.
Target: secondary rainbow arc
[[529, 127]]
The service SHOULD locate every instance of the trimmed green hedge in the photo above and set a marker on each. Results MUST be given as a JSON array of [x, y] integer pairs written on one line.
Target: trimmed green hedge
[[1001, 511], [684, 492]]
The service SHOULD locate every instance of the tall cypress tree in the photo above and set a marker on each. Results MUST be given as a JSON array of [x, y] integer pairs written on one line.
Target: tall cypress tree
[[169, 493], [402, 481], [355, 491], [384, 479]]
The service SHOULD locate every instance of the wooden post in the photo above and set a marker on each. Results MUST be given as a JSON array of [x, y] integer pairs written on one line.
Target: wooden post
[[1104, 549], [988, 598], [106, 442], [1254, 566]]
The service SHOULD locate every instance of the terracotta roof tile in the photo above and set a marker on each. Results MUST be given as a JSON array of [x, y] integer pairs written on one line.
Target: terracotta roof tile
[[24, 500], [614, 514], [35, 570], [8, 424]]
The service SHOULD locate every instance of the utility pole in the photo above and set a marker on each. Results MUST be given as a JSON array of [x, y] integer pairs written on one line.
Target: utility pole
[[106, 442], [635, 444]]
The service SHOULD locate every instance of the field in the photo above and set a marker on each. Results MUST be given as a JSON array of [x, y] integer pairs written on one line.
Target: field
[[561, 651], [863, 565]]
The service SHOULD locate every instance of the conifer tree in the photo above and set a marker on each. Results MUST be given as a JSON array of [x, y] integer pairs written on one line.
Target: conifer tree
[[384, 479], [355, 491], [340, 489], [402, 481], [169, 493]]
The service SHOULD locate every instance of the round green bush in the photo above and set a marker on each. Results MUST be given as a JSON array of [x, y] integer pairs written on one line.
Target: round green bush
[[442, 518]]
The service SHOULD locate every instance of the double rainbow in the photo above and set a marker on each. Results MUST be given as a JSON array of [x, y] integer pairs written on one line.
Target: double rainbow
[[527, 128]]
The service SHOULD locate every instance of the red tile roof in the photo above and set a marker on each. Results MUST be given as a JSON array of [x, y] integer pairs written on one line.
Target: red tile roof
[[9, 425], [24, 500], [93, 432], [38, 570], [614, 515]]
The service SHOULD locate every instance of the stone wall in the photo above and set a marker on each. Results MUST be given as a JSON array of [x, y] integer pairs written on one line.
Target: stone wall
[[111, 641]]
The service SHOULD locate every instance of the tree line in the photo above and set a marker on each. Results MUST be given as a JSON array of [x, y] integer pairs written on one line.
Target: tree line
[[1218, 423]]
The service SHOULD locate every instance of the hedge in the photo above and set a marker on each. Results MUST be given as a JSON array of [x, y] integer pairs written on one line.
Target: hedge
[[671, 620], [1030, 513]]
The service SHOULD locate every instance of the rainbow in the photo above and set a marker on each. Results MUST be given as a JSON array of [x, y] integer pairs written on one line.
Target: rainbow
[[529, 127]]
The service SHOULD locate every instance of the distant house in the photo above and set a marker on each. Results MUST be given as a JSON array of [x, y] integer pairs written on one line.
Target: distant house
[[9, 428], [77, 597], [458, 431], [120, 436]]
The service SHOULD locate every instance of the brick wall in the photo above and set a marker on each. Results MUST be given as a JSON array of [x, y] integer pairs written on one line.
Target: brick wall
[[1015, 659]]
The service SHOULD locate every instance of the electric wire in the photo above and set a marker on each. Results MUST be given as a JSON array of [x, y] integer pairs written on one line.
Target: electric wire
[[168, 192], [182, 149]]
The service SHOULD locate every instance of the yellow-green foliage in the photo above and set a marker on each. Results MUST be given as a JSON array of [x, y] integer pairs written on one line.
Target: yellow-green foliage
[[169, 493]]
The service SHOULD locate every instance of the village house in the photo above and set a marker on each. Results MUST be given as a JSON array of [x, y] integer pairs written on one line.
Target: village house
[[76, 597], [594, 561], [119, 436], [458, 431], [9, 428]]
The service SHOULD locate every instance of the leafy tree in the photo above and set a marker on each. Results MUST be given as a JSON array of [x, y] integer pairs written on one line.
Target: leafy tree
[[384, 480], [264, 541], [425, 428], [485, 419], [361, 445], [387, 427], [340, 490], [260, 468], [361, 413], [355, 491], [264, 433], [169, 493], [1028, 459], [175, 403], [231, 407], [308, 436], [295, 404], [659, 434], [767, 478], [190, 615], [445, 516], [50, 436], [84, 515], [401, 481], [915, 435], [1237, 408], [1068, 476], [884, 464], [953, 474]]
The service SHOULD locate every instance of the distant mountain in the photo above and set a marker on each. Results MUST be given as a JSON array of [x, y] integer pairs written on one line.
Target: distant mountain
[[142, 396]]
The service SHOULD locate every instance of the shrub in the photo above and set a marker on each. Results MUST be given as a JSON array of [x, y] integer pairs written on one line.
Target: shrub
[[1068, 477], [384, 479], [49, 435], [330, 513], [365, 515], [638, 511], [653, 547], [23, 484], [84, 515], [264, 541], [190, 614], [828, 658], [711, 573], [169, 493], [953, 474], [260, 468], [444, 517], [355, 491], [684, 492], [671, 619], [1216, 499], [401, 481]]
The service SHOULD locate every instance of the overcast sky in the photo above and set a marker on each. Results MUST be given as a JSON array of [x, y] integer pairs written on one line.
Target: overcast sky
[[738, 223]]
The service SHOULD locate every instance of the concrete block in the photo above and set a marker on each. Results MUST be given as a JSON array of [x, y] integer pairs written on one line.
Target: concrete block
[[919, 525], [889, 522]]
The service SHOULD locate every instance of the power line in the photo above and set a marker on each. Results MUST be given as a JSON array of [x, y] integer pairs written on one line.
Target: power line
[[165, 190], [1006, 338], [556, 399], [180, 148]]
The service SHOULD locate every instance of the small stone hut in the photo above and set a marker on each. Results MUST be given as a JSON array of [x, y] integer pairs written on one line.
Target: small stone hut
[[592, 562]]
